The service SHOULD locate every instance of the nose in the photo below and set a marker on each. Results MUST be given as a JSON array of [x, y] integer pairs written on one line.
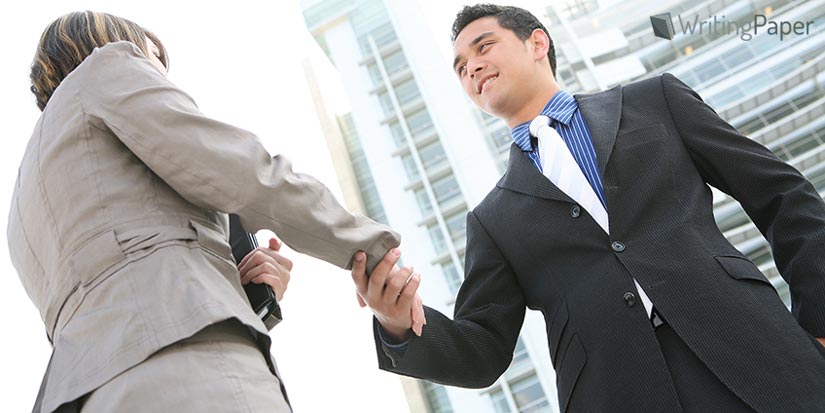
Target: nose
[[475, 68]]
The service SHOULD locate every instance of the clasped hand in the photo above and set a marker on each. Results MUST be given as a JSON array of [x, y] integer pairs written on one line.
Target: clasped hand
[[267, 266], [392, 294]]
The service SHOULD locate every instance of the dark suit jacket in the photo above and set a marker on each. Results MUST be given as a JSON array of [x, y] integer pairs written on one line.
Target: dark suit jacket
[[658, 147]]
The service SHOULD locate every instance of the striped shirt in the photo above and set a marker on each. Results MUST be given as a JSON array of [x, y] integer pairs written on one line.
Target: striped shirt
[[568, 121]]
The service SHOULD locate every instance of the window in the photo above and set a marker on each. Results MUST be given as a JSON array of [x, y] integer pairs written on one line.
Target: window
[[407, 92], [446, 189], [432, 154], [419, 122], [386, 103], [410, 168], [520, 387], [398, 134], [499, 401], [520, 354], [437, 397], [452, 277], [501, 138], [456, 224], [439, 245], [394, 63], [375, 74], [529, 396], [424, 204], [383, 36]]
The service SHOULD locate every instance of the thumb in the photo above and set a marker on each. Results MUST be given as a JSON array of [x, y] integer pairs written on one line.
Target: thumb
[[360, 300], [274, 244]]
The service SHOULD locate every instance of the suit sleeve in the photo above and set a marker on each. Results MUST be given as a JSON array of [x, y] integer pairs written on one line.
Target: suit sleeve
[[782, 203], [476, 347], [217, 166]]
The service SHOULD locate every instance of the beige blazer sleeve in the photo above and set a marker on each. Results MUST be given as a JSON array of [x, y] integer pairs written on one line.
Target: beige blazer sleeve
[[217, 166]]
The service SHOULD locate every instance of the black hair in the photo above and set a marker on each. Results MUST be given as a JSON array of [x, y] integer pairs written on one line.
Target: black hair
[[519, 21]]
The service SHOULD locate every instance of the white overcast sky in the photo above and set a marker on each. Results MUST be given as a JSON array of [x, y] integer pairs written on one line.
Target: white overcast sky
[[241, 61]]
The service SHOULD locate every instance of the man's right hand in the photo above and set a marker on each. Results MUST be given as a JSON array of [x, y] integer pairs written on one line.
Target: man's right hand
[[391, 293]]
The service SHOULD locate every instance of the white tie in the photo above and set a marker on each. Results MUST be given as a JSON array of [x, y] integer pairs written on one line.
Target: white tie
[[559, 166]]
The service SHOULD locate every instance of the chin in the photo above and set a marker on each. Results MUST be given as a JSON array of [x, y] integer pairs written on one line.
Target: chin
[[493, 107]]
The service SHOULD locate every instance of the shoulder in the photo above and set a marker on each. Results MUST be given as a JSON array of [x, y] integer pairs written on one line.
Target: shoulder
[[115, 49], [651, 84], [112, 72], [664, 82], [491, 205], [113, 59]]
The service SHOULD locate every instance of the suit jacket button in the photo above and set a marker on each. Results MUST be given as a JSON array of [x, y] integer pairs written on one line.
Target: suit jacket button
[[629, 299], [618, 246], [575, 211]]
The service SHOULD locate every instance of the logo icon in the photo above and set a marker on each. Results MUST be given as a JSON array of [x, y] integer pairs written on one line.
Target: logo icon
[[662, 26]]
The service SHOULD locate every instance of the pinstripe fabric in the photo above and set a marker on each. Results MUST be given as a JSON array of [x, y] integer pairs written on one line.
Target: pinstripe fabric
[[569, 123], [659, 148]]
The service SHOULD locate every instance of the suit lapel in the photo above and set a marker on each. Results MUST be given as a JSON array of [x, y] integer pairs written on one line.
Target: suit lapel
[[602, 113], [522, 176]]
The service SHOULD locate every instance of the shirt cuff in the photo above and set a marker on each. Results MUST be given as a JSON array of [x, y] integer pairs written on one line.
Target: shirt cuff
[[398, 348]]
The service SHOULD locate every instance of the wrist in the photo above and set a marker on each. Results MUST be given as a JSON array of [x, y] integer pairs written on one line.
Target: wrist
[[394, 334]]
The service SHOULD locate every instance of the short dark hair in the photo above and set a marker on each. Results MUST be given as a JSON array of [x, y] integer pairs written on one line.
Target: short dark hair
[[519, 21]]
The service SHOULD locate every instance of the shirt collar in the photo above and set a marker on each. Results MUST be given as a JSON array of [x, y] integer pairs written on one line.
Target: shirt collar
[[560, 108]]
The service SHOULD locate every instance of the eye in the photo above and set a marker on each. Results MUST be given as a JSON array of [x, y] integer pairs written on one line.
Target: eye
[[460, 70], [484, 46]]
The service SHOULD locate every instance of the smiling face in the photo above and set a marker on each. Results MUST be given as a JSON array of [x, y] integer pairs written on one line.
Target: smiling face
[[503, 75]]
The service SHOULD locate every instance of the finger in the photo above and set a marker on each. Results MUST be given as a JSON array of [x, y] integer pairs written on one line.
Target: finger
[[408, 294], [254, 258], [384, 267], [275, 255], [396, 281], [274, 244], [359, 276], [417, 315], [265, 268], [246, 258], [276, 283], [379, 275], [360, 300], [246, 264], [420, 305]]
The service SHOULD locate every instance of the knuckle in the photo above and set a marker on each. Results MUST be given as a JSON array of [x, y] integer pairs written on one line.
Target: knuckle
[[397, 282]]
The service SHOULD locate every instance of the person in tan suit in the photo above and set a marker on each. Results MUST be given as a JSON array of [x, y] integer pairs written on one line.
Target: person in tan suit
[[118, 231]]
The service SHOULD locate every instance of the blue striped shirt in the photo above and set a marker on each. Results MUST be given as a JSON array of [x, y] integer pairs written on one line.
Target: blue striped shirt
[[568, 121]]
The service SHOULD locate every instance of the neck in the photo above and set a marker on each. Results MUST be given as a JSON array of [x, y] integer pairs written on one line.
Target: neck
[[533, 106]]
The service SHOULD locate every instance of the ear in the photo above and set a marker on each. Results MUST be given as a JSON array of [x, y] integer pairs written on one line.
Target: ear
[[541, 43]]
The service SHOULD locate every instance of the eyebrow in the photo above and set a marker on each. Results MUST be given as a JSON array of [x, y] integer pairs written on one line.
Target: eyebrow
[[475, 41]]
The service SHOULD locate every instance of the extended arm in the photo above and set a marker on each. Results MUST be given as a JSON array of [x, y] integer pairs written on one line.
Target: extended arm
[[217, 166], [474, 348]]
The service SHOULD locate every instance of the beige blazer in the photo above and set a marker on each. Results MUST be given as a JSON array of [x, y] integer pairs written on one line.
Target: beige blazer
[[118, 229]]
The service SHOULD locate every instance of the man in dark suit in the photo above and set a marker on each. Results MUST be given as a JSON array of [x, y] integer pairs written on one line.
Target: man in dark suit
[[648, 307]]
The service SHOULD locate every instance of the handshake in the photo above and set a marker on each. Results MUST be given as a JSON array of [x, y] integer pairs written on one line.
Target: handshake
[[390, 291], [392, 294]]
